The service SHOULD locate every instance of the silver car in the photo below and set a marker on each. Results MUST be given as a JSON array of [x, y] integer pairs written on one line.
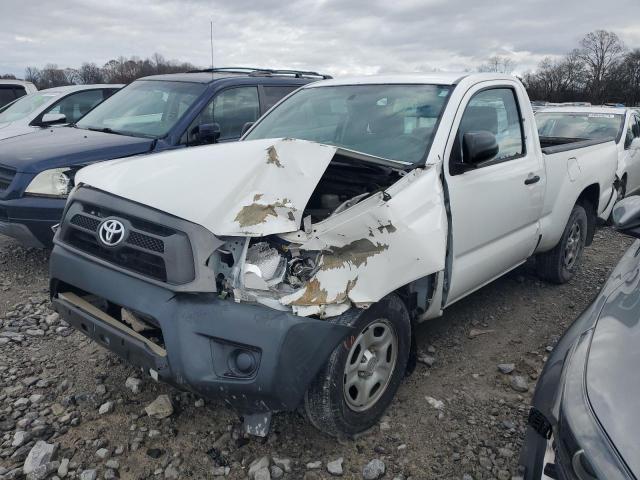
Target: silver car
[[52, 106]]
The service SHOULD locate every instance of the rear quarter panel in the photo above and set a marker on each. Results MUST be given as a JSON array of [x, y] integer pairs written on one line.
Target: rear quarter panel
[[568, 174]]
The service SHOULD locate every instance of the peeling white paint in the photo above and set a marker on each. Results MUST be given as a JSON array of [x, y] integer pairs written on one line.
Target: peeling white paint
[[213, 184], [408, 233]]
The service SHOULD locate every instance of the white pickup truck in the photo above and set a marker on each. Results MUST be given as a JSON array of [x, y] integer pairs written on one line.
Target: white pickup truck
[[290, 268], [575, 123]]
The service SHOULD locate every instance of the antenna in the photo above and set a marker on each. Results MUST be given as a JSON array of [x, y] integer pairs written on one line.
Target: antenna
[[211, 38]]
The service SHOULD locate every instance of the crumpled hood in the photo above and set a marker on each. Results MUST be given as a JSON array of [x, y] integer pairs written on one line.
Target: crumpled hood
[[252, 188], [55, 147]]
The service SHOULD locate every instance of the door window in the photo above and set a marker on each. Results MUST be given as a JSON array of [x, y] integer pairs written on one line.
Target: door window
[[233, 108], [76, 105], [273, 95], [230, 109], [496, 111], [7, 95]]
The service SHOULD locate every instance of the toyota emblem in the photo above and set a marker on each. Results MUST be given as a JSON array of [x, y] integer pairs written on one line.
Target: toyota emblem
[[111, 232]]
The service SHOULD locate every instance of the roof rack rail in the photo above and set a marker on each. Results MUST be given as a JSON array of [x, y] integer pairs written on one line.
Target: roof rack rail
[[263, 72]]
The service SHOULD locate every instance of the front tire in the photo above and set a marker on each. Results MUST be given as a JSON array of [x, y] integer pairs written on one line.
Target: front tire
[[362, 375], [560, 264]]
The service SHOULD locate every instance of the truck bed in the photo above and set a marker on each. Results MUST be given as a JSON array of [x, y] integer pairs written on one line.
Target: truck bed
[[551, 145], [571, 168]]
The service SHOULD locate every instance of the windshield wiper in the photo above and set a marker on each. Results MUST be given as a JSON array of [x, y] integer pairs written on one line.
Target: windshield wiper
[[105, 130]]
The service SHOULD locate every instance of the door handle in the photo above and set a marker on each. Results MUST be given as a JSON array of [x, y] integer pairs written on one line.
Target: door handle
[[531, 179]]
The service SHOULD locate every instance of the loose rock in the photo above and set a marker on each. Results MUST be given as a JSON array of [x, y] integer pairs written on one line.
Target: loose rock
[[41, 454], [374, 469], [506, 368], [335, 467], [160, 408], [519, 384], [105, 408]]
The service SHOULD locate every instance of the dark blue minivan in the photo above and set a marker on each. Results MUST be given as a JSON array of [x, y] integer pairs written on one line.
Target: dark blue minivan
[[152, 114]]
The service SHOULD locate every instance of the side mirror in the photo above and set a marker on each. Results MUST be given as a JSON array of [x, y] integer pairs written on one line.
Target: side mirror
[[626, 216], [246, 127], [477, 147], [208, 133], [53, 119]]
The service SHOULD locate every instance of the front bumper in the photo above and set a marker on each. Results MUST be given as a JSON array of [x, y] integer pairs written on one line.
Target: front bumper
[[202, 336], [29, 219]]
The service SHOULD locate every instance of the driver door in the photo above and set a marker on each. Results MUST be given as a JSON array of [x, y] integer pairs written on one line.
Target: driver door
[[495, 208]]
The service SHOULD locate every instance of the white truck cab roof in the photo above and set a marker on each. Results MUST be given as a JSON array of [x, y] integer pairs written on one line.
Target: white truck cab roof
[[439, 78], [573, 109], [28, 86]]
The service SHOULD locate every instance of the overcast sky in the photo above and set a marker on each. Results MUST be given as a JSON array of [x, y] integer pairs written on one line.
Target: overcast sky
[[334, 36]]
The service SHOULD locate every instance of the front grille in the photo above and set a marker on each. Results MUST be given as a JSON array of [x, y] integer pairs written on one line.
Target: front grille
[[149, 247], [85, 222], [146, 242], [126, 257], [6, 177], [135, 238]]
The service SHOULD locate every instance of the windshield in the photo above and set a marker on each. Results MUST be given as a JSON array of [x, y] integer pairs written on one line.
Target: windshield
[[588, 126], [26, 105], [396, 122], [145, 108]]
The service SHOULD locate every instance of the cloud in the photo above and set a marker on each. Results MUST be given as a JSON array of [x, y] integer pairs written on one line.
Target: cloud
[[334, 36]]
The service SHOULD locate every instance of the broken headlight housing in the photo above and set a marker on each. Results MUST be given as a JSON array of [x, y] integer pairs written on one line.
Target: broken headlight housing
[[264, 267]]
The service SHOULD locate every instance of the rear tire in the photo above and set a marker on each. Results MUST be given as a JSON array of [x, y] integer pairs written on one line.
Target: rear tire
[[560, 264], [362, 375]]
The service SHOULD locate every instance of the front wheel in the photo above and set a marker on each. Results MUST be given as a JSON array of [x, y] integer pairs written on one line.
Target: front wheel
[[363, 373], [560, 264]]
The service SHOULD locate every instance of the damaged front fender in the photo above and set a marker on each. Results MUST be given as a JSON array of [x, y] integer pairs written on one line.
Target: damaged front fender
[[375, 247]]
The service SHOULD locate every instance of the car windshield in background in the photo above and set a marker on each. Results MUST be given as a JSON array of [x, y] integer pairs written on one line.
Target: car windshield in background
[[146, 108], [395, 122], [588, 126], [25, 106]]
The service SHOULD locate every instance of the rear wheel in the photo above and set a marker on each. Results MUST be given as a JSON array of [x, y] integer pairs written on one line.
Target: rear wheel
[[363, 373], [560, 264]]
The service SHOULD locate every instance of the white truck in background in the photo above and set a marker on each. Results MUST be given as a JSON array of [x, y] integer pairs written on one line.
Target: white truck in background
[[578, 123], [291, 268], [11, 89]]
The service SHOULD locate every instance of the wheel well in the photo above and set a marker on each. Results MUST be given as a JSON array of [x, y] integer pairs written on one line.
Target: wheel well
[[589, 199], [417, 297]]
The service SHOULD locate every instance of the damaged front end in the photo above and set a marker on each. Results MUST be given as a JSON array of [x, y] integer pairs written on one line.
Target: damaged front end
[[368, 228], [223, 286], [308, 228]]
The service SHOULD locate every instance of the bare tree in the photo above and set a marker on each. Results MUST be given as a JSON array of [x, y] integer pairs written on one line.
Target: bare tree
[[498, 64], [32, 74], [626, 79], [600, 51], [90, 73], [120, 70]]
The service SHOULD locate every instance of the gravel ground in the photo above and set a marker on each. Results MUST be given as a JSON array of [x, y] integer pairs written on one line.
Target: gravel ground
[[68, 410]]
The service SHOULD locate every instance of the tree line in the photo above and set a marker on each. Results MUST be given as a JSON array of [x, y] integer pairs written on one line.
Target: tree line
[[600, 70], [120, 70]]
